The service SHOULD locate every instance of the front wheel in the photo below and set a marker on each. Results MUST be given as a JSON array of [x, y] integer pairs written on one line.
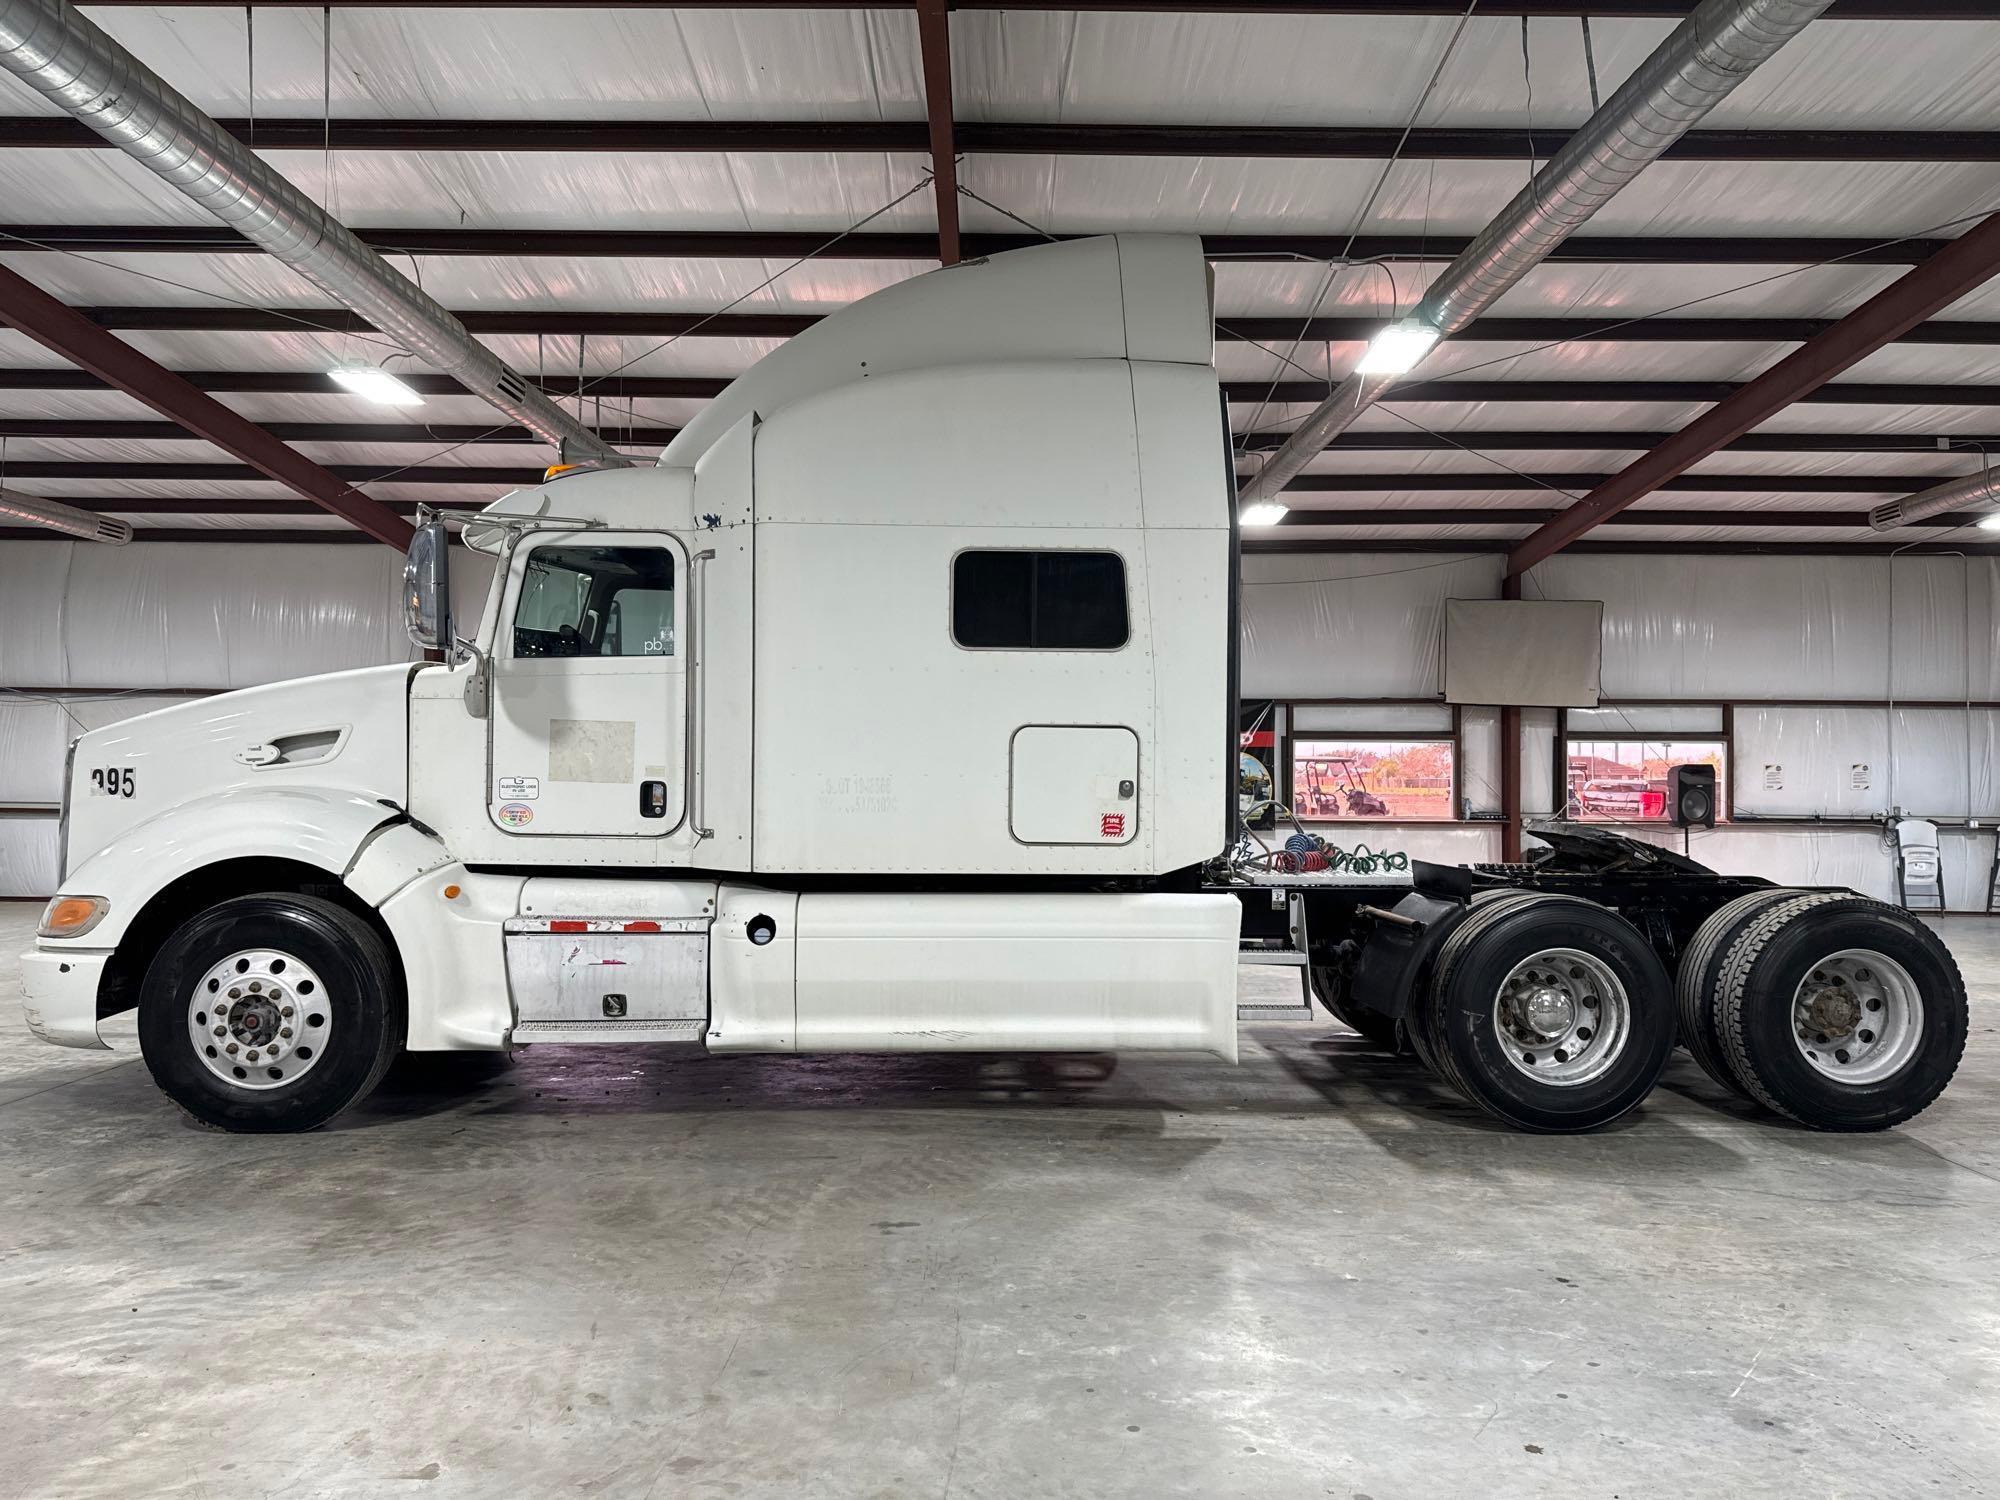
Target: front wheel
[[270, 1013], [1549, 1012]]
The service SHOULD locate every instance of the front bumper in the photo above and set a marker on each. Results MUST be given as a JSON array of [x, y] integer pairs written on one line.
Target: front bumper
[[59, 993]]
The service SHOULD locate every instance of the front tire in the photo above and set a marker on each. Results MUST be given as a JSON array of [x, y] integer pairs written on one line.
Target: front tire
[[270, 1013], [1841, 1012], [1549, 1012]]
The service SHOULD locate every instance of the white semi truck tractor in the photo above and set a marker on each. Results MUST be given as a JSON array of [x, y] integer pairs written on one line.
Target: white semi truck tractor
[[894, 710]]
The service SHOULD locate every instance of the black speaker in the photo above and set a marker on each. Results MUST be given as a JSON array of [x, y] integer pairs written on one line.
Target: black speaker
[[1691, 796]]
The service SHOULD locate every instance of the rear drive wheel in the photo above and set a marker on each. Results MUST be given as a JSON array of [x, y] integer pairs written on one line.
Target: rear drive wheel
[[1549, 1012], [1372, 1024], [270, 1013], [1841, 1012], [1695, 982]]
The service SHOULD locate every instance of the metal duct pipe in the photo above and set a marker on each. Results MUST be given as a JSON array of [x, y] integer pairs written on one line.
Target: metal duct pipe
[[71, 61], [1982, 488], [91, 527], [1692, 71]]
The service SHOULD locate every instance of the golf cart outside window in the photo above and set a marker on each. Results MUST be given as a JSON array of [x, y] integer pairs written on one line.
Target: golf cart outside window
[[1404, 781]]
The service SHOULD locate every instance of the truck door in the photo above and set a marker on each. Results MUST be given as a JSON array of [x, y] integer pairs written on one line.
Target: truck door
[[589, 705]]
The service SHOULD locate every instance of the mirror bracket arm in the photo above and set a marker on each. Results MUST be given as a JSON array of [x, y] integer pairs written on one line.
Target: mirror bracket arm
[[479, 685]]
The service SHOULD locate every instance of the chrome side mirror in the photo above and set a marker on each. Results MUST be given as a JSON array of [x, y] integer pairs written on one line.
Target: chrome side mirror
[[427, 587]]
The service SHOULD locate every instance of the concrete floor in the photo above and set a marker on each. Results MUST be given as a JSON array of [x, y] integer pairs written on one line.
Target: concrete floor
[[614, 1275]]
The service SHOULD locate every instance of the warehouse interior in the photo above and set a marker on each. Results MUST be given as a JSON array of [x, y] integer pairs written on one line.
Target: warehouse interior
[[627, 1273]]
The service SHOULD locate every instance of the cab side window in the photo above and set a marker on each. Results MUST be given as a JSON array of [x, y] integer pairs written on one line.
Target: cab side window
[[1039, 601], [596, 601]]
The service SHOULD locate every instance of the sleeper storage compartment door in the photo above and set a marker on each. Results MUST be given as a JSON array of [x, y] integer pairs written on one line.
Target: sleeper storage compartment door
[[1017, 971], [1074, 784]]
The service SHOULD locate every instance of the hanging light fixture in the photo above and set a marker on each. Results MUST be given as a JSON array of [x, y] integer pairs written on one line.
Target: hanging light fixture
[[374, 384]]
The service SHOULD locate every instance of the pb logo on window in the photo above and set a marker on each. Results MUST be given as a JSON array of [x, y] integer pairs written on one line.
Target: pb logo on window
[[1111, 826]]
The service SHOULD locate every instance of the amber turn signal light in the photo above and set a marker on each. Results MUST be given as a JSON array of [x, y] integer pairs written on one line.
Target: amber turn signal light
[[72, 916]]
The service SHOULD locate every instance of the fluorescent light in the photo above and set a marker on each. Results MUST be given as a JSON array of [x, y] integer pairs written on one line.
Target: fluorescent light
[[377, 385], [1990, 523], [1397, 349], [1263, 513]]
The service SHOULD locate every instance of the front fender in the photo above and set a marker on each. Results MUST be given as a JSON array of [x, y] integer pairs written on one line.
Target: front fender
[[312, 826]]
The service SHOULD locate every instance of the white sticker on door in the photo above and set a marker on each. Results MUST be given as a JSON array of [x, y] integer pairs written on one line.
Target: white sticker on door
[[520, 788]]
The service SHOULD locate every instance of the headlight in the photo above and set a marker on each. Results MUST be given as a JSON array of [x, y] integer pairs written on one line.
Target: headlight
[[72, 916]]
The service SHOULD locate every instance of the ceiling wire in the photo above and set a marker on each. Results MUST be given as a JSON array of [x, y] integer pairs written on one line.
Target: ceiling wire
[[1334, 267], [631, 416], [967, 192], [1598, 333], [199, 291]]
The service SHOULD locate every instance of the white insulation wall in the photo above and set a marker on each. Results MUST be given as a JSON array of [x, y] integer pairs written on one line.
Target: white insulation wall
[[91, 634], [1691, 633]]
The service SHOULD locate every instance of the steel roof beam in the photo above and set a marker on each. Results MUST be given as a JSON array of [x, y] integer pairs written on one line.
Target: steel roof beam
[[511, 475], [1392, 440], [26, 307], [154, 505], [783, 325], [698, 244], [934, 47], [1270, 142], [1841, 10], [211, 536], [624, 387], [1968, 263]]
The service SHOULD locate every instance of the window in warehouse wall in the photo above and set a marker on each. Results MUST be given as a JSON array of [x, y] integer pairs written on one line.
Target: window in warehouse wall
[[1378, 777], [1625, 780]]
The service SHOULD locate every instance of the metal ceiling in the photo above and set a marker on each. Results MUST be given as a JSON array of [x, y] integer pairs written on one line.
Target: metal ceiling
[[584, 185]]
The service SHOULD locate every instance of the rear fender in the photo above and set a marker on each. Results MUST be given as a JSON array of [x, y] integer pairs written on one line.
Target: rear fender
[[1397, 956]]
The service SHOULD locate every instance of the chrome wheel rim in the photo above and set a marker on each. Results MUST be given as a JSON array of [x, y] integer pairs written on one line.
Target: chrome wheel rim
[[259, 1019], [1857, 1016], [1562, 1017]]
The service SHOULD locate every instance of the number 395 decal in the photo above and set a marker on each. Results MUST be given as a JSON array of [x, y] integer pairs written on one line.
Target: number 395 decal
[[115, 782]]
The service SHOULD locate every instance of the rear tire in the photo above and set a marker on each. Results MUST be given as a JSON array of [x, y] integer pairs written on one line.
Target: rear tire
[[1549, 1012], [270, 1013], [1695, 983], [1842, 1012], [1372, 1024]]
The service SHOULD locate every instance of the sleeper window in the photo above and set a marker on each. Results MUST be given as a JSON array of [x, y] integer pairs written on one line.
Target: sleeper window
[[1038, 601], [596, 601]]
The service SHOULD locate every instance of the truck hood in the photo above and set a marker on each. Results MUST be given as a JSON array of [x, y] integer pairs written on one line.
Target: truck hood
[[345, 732]]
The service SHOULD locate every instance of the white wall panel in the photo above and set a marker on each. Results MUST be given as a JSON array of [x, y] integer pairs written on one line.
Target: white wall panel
[[1799, 762], [1351, 626], [33, 737], [1860, 762], [205, 616], [1776, 626], [1479, 759], [1653, 719], [1372, 718], [1538, 762], [28, 854], [34, 579]]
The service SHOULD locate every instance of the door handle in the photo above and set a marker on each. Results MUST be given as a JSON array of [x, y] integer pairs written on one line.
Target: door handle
[[697, 785]]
